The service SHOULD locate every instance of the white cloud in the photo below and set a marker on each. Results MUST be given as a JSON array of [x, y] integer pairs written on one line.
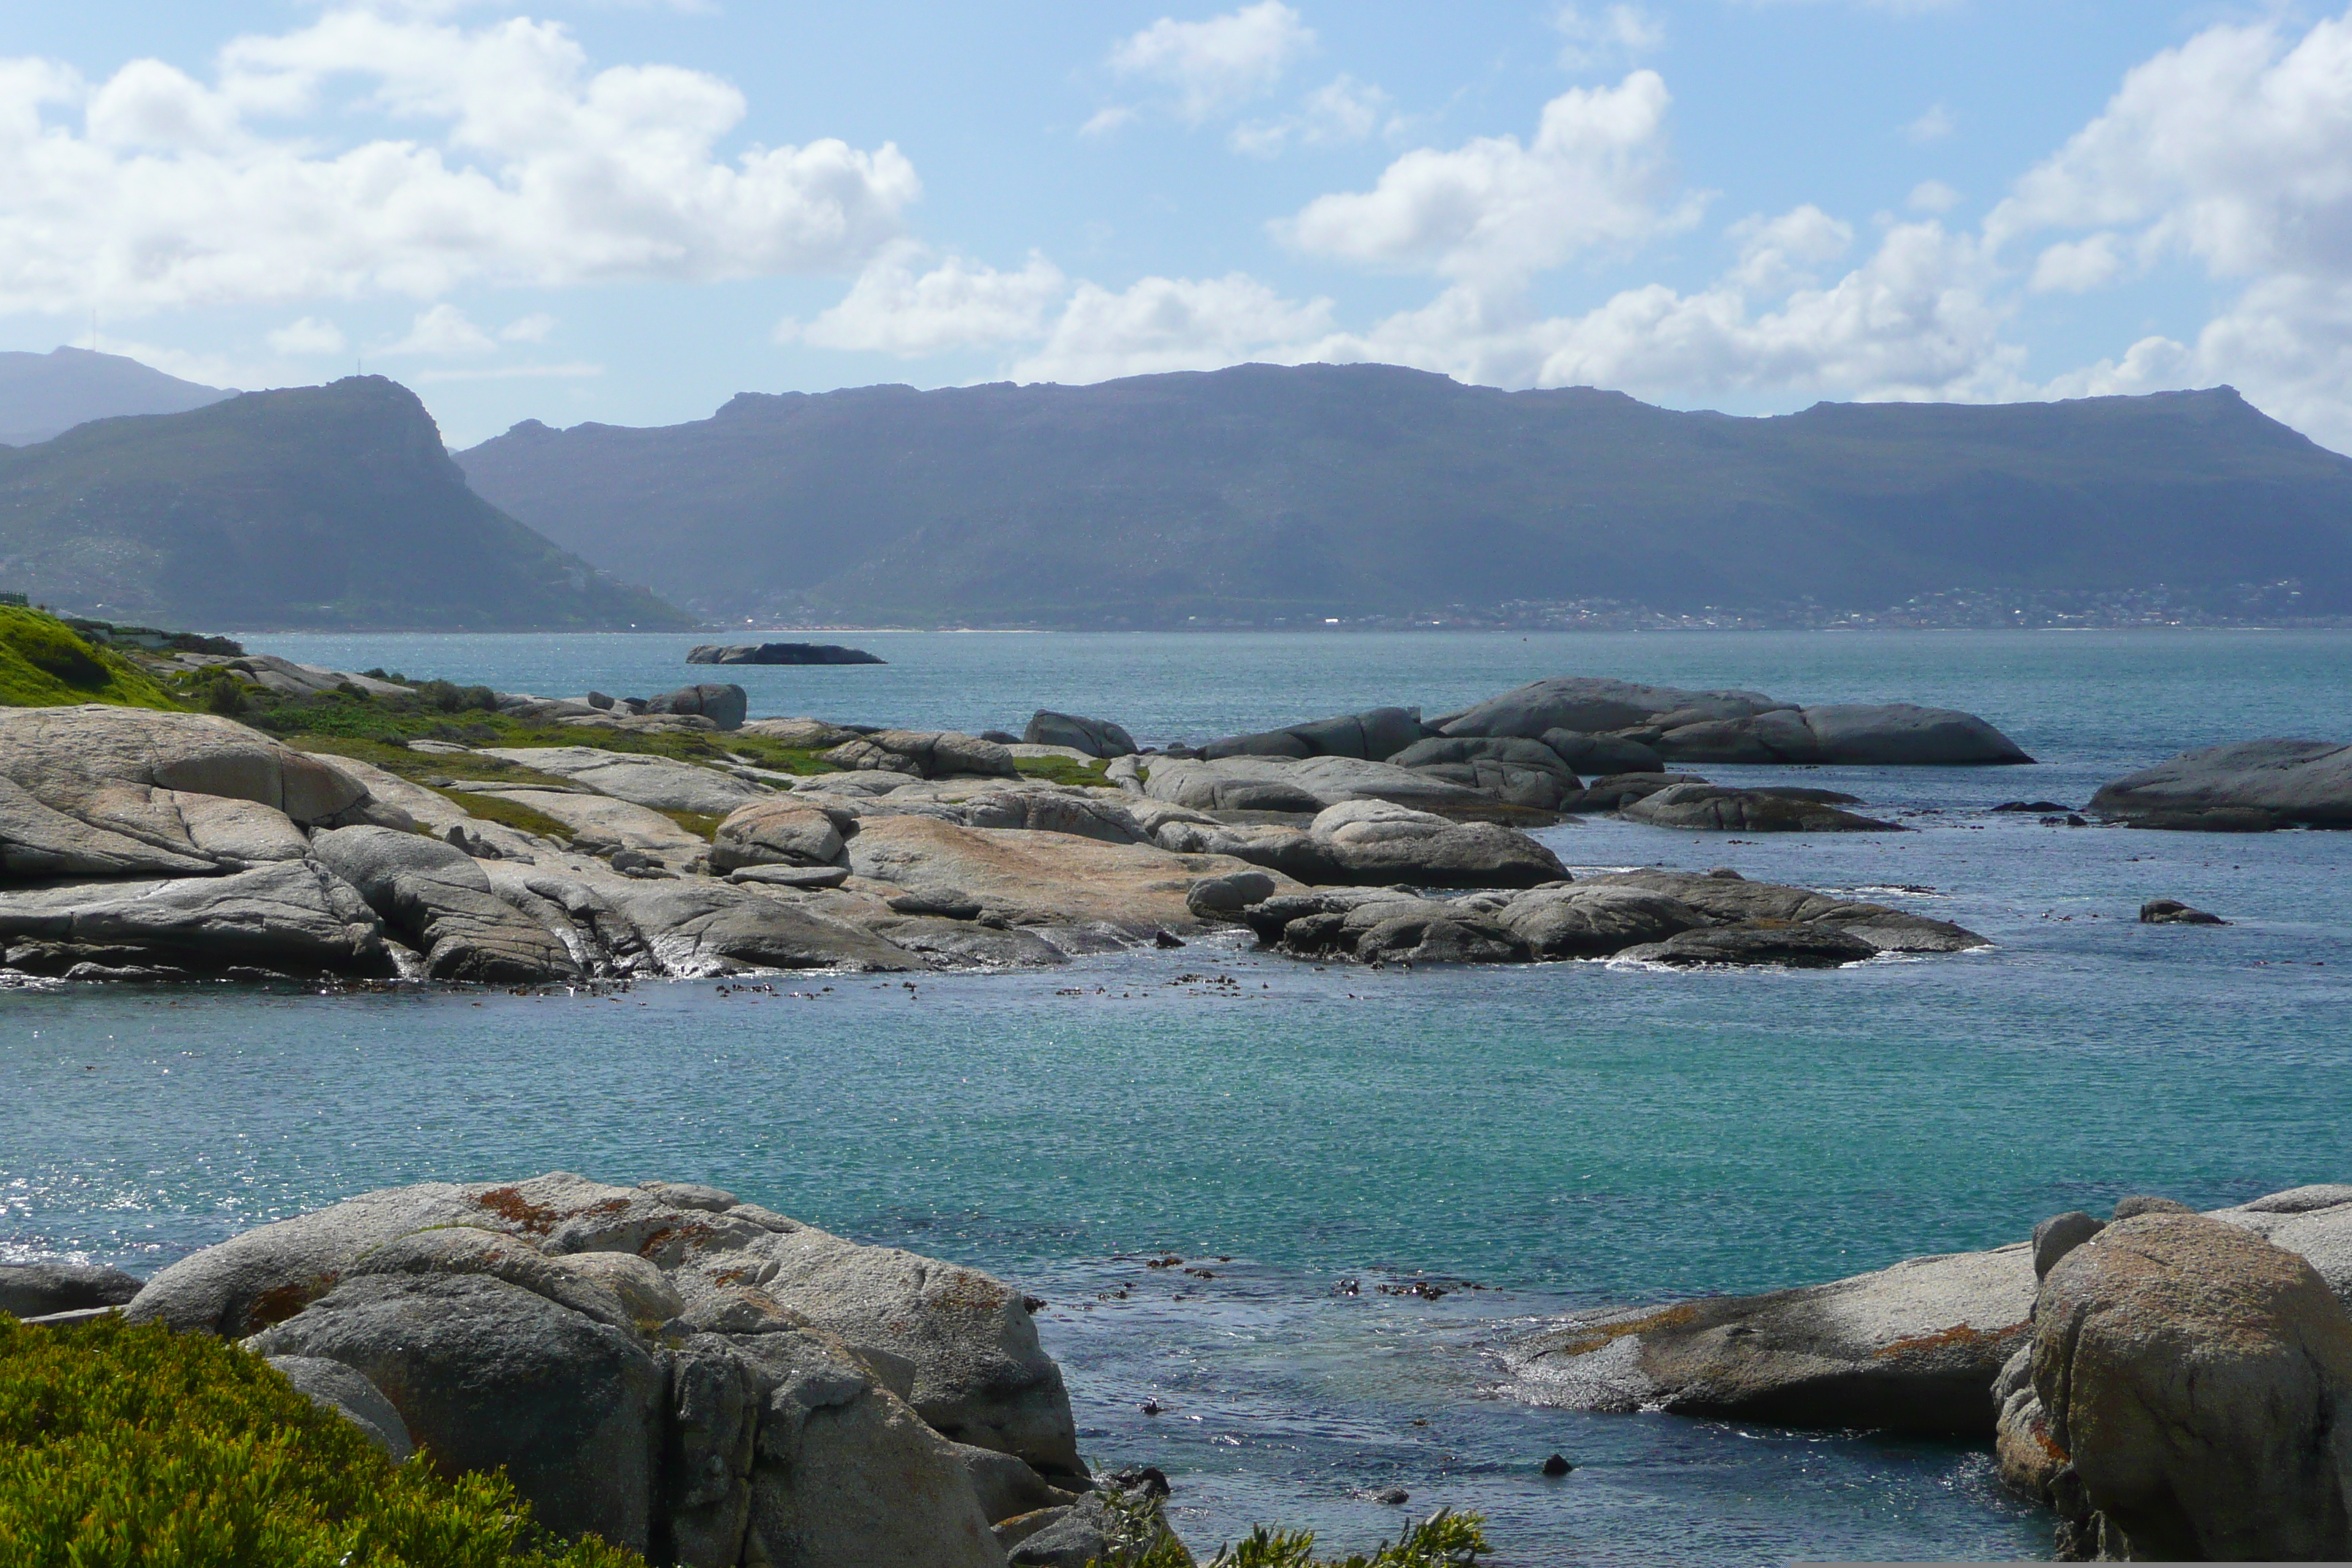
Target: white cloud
[[1595, 173], [894, 308], [1913, 320], [307, 336], [2233, 152], [1107, 119], [1342, 110], [1779, 254], [1933, 196], [1933, 125], [1592, 40], [532, 329], [524, 166], [2078, 266], [1220, 64], [1173, 324], [442, 330]]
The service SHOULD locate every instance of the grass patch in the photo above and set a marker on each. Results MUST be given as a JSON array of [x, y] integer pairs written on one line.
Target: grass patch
[[1061, 769], [45, 663], [1137, 1533], [701, 823], [123, 1446], [418, 767], [509, 814]]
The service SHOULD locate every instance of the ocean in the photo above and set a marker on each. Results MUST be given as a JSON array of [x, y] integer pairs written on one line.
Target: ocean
[[1527, 1138]]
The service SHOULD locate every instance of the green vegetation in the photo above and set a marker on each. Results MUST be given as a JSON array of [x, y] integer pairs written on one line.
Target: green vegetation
[[308, 507], [1061, 769], [701, 823], [1139, 1537], [45, 663], [511, 813], [135, 1446]]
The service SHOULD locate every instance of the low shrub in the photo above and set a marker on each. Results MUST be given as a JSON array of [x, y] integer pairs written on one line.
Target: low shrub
[[1138, 1537], [44, 663], [136, 1445]]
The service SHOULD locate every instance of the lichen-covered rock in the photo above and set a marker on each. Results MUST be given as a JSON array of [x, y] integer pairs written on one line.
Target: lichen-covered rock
[[683, 1374], [2197, 1379]]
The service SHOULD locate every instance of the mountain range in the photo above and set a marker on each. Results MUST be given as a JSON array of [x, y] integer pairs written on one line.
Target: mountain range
[[1270, 493], [317, 506], [43, 396]]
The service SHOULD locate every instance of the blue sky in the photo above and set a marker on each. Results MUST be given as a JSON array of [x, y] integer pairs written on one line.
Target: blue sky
[[628, 212]]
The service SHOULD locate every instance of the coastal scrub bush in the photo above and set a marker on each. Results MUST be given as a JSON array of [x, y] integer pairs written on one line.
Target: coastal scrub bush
[[45, 663], [1138, 1537], [126, 1446], [451, 698]]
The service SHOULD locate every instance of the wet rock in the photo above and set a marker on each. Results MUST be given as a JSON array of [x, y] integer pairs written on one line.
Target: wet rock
[[2173, 912], [1803, 945]]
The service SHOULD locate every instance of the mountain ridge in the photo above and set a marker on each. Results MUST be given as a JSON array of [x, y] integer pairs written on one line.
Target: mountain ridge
[[322, 507], [44, 395], [1280, 494]]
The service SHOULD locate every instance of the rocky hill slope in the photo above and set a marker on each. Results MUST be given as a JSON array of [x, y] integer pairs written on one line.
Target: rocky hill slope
[[312, 507], [1265, 493]]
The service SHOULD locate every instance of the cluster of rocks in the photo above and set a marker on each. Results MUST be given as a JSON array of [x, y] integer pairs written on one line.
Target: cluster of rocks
[[780, 653], [2252, 786], [162, 846], [1599, 725], [2172, 1383], [695, 1378]]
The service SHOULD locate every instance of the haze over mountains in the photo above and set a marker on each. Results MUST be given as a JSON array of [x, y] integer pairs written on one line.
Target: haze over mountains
[[316, 507], [1265, 494], [43, 396]]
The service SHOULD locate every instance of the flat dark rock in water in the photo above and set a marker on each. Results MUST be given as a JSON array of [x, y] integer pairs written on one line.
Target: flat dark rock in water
[[780, 653]]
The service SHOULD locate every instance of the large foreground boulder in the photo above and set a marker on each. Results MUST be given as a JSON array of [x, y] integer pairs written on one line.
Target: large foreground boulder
[[2195, 1383], [109, 792], [2230, 788], [291, 917], [688, 1375]]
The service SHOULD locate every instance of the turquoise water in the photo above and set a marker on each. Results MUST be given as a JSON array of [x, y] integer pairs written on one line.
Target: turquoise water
[[1562, 1134]]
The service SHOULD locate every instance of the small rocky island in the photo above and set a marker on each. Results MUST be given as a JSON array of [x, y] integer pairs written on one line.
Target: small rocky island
[[780, 653]]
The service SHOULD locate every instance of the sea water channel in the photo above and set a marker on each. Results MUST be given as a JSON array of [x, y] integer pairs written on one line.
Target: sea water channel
[[1530, 1139]]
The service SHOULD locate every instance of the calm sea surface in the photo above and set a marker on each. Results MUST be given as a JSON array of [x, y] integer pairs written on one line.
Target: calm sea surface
[[1561, 1135]]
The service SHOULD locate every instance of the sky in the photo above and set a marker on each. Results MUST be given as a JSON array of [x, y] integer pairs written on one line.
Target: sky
[[627, 212]]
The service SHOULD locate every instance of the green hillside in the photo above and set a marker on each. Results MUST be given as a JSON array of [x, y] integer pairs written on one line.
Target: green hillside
[[1264, 492], [324, 506]]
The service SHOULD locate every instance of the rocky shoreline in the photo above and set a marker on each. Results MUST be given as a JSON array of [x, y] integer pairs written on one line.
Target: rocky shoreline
[[674, 837], [2167, 1382]]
